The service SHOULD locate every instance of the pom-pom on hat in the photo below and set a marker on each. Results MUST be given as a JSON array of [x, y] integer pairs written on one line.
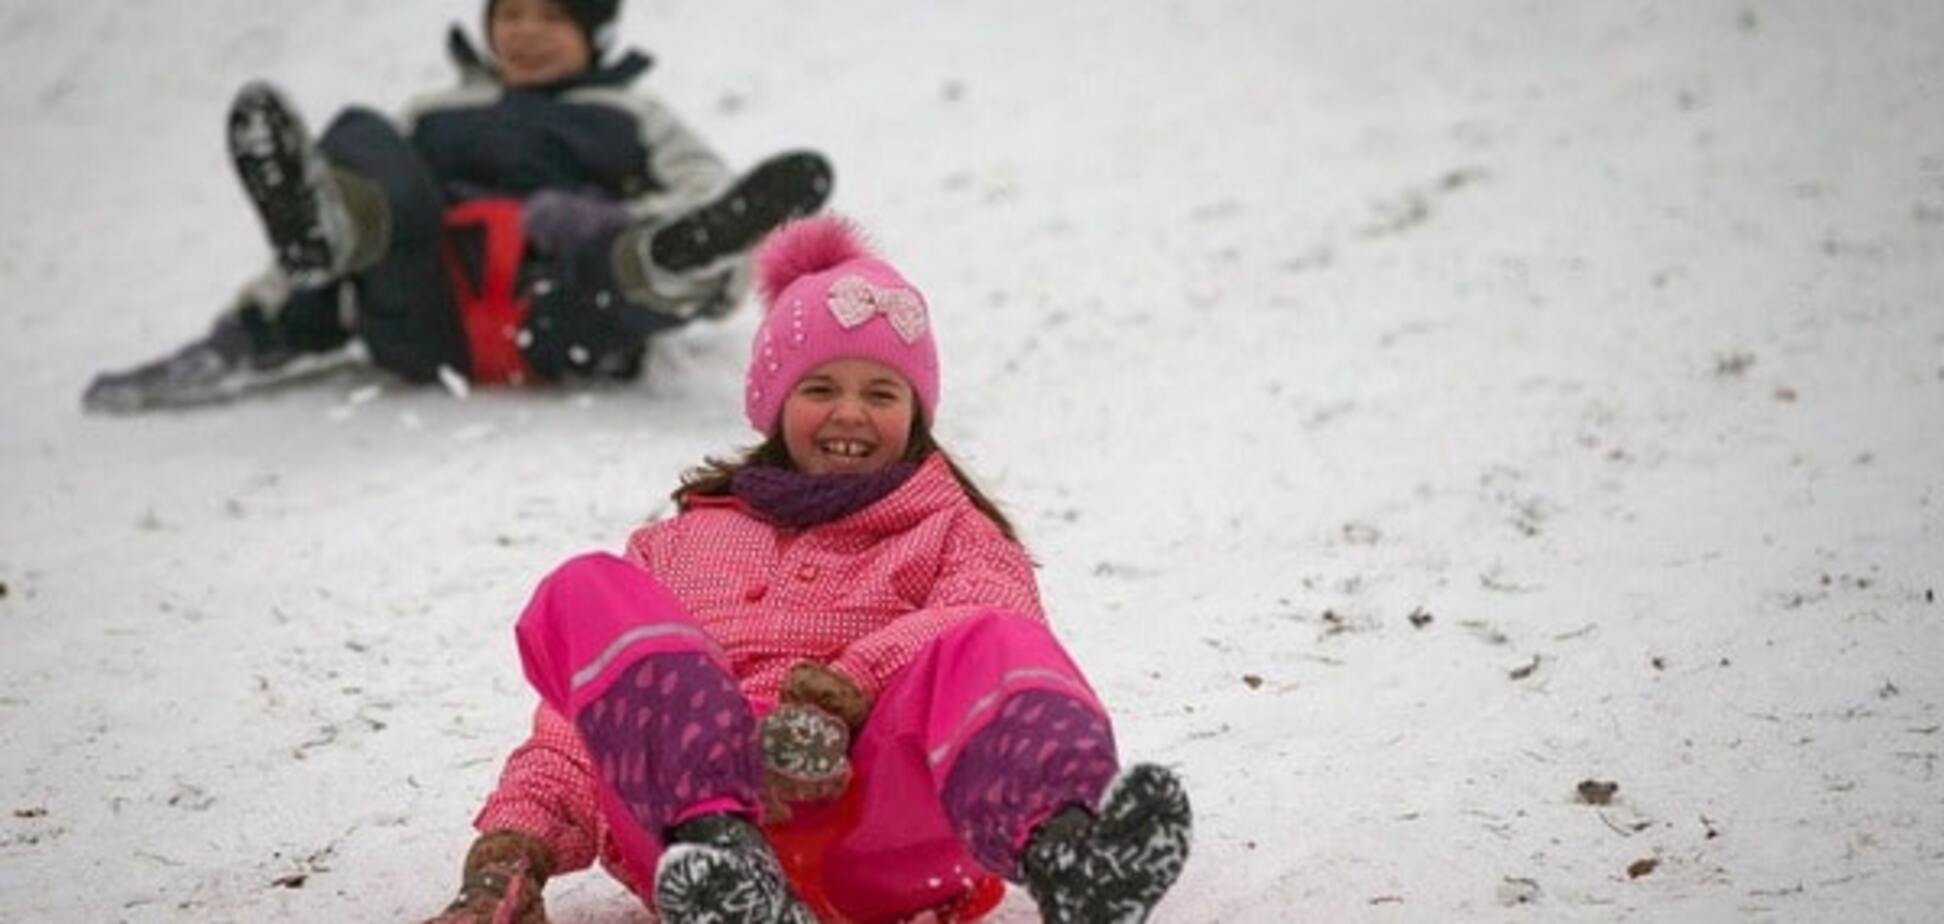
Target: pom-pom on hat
[[827, 296]]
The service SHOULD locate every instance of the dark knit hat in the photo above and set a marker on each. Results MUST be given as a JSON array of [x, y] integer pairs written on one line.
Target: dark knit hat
[[595, 18]]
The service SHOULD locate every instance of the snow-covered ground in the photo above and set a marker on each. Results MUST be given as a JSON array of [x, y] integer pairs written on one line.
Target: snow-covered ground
[[1418, 408]]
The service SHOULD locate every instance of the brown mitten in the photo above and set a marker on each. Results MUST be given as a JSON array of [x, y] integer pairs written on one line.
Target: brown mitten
[[817, 685], [505, 871], [805, 757], [806, 741]]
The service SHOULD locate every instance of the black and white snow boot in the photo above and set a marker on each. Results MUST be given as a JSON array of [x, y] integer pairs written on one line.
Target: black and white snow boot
[[783, 187], [1113, 868], [718, 869], [297, 197]]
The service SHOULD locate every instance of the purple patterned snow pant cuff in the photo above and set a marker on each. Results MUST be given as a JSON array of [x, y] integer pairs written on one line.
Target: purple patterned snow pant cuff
[[673, 730], [1045, 750]]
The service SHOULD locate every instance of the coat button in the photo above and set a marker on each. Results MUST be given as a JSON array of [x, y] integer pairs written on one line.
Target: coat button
[[807, 572], [754, 592]]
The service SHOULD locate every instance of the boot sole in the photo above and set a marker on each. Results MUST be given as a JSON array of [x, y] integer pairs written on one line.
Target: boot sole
[[784, 187], [270, 148]]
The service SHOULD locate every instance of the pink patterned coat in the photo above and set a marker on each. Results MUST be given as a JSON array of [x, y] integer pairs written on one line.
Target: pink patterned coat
[[862, 593]]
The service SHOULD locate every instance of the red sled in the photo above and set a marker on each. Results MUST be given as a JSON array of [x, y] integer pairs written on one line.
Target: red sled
[[800, 844], [491, 309]]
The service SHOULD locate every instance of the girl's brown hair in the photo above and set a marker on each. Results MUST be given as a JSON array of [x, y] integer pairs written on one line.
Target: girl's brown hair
[[712, 477]]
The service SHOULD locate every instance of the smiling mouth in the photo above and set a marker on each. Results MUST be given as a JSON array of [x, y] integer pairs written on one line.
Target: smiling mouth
[[846, 449]]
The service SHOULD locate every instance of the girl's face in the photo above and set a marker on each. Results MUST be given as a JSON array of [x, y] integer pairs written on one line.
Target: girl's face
[[537, 43], [849, 416]]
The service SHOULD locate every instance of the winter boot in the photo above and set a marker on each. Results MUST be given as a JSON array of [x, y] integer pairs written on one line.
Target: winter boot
[[718, 869], [318, 228], [226, 361], [784, 187], [1115, 867]]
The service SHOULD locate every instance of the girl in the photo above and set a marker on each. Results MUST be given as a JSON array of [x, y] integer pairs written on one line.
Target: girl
[[839, 607], [588, 213]]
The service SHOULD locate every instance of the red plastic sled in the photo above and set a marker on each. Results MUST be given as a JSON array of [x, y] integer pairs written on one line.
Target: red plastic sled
[[800, 844], [490, 309]]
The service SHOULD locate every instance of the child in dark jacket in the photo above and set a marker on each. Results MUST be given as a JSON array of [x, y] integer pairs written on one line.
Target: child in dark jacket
[[838, 613], [541, 220]]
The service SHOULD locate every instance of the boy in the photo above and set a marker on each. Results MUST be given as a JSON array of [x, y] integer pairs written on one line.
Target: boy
[[536, 222]]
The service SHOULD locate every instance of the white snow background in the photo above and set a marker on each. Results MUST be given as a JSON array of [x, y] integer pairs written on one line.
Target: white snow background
[[1418, 408]]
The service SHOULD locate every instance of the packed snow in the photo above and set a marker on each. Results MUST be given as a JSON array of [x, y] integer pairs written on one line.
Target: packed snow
[[1494, 451]]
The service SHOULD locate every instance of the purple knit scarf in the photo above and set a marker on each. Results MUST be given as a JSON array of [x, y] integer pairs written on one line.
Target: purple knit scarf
[[799, 500]]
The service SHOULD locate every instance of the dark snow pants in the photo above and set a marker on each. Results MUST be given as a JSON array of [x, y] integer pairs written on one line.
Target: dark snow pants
[[406, 314]]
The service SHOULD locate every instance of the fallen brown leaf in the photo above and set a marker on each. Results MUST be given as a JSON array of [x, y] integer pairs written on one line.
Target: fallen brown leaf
[[1597, 792]]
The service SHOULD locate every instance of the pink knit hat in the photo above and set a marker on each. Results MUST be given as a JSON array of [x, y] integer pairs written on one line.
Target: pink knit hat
[[827, 296]]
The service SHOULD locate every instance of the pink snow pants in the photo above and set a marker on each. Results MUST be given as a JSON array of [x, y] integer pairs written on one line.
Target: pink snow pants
[[987, 732]]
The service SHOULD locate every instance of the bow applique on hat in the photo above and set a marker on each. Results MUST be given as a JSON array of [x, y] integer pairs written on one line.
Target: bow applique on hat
[[822, 261], [854, 301]]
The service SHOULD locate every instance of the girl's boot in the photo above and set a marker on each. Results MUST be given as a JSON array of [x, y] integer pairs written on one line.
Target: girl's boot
[[719, 869], [1114, 867]]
